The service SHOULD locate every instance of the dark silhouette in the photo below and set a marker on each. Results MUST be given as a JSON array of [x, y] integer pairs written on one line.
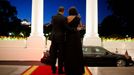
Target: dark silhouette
[[15, 26], [47, 30], [122, 9], [8, 19], [58, 40], [73, 50], [25, 28], [110, 26]]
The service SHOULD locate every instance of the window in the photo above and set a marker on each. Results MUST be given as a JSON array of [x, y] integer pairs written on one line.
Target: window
[[98, 50], [87, 50]]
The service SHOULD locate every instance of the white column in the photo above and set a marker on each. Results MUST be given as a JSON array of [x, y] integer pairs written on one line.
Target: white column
[[91, 37], [36, 39], [37, 18]]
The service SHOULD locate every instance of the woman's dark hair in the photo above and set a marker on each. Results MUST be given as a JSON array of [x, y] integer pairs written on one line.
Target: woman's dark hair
[[73, 11]]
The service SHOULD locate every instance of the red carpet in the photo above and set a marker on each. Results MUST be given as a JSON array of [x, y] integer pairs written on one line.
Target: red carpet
[[46, 70]]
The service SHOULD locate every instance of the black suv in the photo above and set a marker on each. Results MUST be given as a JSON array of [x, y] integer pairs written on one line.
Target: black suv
[[99, 56]]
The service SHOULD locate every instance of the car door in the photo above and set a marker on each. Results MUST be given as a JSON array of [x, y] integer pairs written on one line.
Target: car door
[[88, 56], [109, 59], [98, 55], [104, 56]]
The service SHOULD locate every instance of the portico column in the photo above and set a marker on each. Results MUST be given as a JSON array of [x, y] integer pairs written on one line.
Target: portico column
[[36, 39], [37, 18], [91, 37]]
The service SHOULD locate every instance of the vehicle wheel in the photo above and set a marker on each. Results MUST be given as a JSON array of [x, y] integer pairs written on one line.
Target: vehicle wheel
[[121, 63]]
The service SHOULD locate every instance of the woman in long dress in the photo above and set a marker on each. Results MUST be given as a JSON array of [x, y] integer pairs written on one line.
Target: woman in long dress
[[73, 50]]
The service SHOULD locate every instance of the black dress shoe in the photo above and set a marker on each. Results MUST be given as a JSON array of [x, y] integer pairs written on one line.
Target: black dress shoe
[[61, 72], [53, 70]]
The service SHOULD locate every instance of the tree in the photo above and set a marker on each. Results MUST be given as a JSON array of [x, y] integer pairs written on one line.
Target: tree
[[8, 18], [123, 10], [110, 26], [15, 26], [47, 30]]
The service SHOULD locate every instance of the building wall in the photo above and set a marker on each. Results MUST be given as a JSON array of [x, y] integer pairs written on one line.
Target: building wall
[[17, 49], [120, 47]]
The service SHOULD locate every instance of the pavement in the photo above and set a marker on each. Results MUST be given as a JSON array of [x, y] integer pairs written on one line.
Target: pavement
[[112, 70], [12, 69], [18, 67]]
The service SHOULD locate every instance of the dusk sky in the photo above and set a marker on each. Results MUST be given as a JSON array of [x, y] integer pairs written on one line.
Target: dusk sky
[[50, 8]]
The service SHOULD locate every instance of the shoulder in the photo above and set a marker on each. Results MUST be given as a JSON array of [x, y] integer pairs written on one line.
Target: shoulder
[[71, 17], [55, 16]]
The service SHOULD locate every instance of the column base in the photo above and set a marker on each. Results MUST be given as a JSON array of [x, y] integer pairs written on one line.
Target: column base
[[36, 42], [91, 41]]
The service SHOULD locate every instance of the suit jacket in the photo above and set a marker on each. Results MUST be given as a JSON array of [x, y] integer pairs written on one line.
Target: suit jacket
[[58, 28]]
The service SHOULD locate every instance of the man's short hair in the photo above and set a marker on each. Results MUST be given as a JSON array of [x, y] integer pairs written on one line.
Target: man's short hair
[[61, 9]]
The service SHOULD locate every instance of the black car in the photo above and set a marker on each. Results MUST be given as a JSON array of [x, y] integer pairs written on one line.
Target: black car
[[99, 56]]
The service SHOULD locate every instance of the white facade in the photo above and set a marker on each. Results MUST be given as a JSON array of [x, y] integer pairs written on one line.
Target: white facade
[[32, 48]]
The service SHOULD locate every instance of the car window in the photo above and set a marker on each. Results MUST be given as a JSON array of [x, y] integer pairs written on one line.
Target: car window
[[87, 50], [97, 50]]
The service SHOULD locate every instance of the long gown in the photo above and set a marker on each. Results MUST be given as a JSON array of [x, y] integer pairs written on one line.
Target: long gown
[[73, 50]]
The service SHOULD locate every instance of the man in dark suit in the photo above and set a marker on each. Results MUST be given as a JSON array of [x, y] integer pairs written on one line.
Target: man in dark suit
[[58, 38]]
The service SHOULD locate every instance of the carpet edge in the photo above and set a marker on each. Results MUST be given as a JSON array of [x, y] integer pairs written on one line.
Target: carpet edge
[[29, 70]]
